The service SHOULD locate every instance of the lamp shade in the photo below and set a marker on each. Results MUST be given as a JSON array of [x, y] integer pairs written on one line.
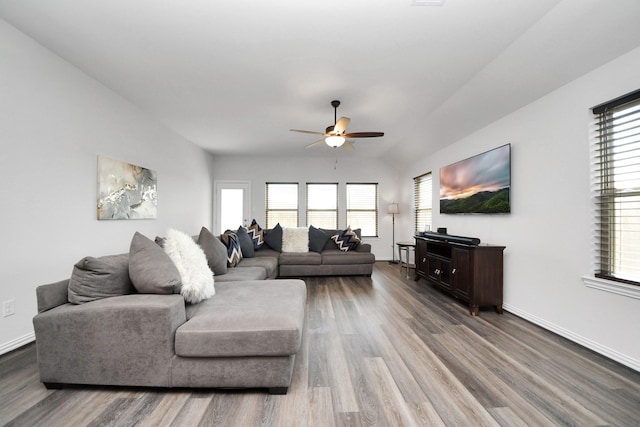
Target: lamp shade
[[393, 208], [334, 141]]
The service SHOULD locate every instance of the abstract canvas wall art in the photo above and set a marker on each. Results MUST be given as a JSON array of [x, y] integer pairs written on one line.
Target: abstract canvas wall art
[[126, 191]]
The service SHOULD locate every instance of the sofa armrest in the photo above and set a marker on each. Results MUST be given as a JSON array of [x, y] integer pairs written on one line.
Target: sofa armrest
[[124, 340], [363, 247], [52, 295]]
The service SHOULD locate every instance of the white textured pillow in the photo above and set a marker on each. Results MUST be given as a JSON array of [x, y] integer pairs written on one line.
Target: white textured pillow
[[191, 262], [295, 239]]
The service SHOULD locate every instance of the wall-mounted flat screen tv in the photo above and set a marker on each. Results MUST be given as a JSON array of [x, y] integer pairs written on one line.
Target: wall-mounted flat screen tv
[[479, 184]]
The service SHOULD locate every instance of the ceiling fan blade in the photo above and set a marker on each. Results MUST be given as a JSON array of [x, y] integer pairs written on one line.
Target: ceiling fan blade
[[363, 134], [342, 124], [307, 131], [313, 144], [348, 146]]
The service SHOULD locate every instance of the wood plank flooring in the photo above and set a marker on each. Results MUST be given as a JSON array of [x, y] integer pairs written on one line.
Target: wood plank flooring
[[376, 351]]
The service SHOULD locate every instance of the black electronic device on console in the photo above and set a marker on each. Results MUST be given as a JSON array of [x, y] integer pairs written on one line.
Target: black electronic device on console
[[469, 241]]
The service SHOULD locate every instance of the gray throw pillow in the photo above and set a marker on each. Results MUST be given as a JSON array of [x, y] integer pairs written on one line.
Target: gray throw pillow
[[317, 239], [97, 278], [215, 251], [246, 243], [150, 268], [273, 238]]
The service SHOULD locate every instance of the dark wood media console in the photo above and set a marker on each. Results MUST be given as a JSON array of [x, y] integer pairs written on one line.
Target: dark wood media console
[[471, 273]]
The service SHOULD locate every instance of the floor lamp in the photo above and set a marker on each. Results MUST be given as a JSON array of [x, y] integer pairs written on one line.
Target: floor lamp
[[393, 210]]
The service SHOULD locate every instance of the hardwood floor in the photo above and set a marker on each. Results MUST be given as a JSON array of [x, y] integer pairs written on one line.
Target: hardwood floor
[[376, 351]]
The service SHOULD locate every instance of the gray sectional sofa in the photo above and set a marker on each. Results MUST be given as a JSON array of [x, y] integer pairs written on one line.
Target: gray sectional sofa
[[122, 319]]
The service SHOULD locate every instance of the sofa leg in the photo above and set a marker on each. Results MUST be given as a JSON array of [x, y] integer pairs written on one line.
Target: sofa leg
[[278, 390], [53, 386]]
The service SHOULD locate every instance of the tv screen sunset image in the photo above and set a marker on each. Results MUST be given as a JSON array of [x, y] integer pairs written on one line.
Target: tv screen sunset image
[[479, 184]]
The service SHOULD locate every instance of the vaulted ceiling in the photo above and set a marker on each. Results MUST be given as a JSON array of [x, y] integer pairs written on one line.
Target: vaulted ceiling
[[233, 77]]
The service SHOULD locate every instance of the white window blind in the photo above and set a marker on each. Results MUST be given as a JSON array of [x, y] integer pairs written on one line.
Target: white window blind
[[362, 208], [423, 201], [616, 175], [322, 205], [281, 202]]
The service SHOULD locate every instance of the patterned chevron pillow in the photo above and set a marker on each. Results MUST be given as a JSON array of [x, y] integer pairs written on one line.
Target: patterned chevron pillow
[[346, 240], [234, 252], [256, 234]]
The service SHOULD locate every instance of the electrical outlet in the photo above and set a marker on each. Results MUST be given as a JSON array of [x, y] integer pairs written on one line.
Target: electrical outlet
[[8, 308]]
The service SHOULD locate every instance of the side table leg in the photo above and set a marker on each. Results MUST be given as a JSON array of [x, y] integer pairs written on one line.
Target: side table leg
[[474, 309]]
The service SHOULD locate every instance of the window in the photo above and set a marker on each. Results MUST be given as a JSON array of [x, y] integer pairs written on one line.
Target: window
[[423, 194], [281, 201], [322, 205], [616, 170], [362, 208]]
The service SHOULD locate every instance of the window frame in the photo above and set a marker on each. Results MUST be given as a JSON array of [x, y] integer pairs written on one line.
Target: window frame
[[423, 214], [279, 209], [308, 210], [375, 210], [610, 250]]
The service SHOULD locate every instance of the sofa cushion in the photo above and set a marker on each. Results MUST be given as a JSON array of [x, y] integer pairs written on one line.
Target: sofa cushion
[[317, 239], [293, 258], [253, 318], [242, 273], [191, 262], [267, 252], [338, 257], [269, 264], [273, 238], [257, 234], [246, 244], [295, 239], [234, 251], [215, 251], [150, 268], [346, 240], [96, 278]]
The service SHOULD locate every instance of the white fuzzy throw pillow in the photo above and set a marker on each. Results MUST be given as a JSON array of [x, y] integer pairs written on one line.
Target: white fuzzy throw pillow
[[191, 262], [295, 239]]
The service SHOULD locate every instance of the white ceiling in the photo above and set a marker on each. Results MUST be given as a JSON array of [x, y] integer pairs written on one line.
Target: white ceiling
[[235, 76]]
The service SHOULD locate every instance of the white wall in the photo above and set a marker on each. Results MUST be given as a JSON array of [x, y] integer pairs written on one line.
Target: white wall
[[547, 236], [350, 167], [54, 121]]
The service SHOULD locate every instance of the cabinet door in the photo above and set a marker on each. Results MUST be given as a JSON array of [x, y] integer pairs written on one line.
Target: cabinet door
[[461, 262], [439, 271], [433, 268], [421, 258]]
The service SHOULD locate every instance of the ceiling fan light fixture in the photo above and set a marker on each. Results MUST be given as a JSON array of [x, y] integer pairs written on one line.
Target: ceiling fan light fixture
[[334, 141]]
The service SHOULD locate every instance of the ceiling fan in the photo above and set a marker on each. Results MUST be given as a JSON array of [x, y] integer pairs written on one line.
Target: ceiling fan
[[336, 135]]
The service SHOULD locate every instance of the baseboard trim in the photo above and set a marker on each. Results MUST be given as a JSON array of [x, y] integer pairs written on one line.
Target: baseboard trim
[[17, 343], [579, 339]]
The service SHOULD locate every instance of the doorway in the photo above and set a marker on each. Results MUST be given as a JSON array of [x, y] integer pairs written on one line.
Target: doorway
[[232, 205]]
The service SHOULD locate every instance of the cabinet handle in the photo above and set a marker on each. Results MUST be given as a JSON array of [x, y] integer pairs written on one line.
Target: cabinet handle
[[424, 260], [453, 271]]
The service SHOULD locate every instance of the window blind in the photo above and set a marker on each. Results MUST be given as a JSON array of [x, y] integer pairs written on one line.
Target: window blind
[[616, 190], [362, 208], [423, 202], [322, 205], [281, 202]]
